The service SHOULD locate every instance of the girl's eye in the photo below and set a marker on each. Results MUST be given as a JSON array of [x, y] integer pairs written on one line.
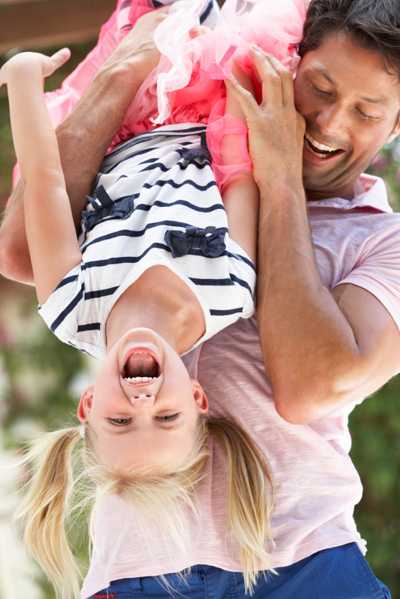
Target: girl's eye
[[120, 421], [168, 418]]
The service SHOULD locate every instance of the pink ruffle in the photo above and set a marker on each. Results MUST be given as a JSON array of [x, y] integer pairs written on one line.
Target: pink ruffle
[[188, 85], [189, 81]]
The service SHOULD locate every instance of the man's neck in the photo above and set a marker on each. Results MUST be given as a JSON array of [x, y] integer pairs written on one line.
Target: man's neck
[[314, 195], [348, 193]]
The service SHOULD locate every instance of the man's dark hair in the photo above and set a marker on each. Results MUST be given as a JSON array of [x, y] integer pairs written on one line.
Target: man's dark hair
[[374, 24]]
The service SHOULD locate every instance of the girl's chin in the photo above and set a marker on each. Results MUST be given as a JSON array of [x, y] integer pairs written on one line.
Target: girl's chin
[[142, 336]]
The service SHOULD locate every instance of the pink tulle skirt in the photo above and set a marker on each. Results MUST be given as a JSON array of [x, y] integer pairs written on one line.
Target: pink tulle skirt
[[188, 85]]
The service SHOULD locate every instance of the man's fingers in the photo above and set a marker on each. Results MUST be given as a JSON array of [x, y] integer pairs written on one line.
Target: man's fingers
[[286, 80], [269, 77], [276, 79], [245, 98]]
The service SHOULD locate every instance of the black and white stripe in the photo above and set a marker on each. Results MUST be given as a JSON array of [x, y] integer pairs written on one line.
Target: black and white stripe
[[118, 249], [207, 16]]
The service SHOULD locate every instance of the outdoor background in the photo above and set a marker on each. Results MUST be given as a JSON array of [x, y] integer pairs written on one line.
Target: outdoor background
[[39, 379]]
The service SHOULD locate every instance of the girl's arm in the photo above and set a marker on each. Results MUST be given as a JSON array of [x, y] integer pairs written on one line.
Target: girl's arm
[[85, 135], [240, 195], [49, 224]]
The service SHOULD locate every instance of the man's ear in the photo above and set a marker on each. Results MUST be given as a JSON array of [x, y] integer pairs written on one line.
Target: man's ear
[[200, 397], [396, 130], [85, 404]]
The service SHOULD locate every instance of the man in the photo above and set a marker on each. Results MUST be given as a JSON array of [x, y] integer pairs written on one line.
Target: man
[[329, 275]]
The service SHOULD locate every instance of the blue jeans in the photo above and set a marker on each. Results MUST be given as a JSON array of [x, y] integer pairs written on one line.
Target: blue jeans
[[337, 573]]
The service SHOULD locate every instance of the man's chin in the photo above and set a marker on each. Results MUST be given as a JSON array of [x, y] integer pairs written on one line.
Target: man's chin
[[316, 188], [319, 179]]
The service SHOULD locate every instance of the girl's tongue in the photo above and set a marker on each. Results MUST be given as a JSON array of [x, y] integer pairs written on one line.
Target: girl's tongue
[[141, 364]]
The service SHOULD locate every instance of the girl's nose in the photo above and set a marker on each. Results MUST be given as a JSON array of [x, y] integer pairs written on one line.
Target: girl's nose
[[138, 398]]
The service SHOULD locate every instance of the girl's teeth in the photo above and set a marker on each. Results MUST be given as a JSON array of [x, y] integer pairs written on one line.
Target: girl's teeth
[[139, 379]]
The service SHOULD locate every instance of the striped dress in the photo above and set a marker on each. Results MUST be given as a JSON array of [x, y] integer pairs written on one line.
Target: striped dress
[[155, 202]]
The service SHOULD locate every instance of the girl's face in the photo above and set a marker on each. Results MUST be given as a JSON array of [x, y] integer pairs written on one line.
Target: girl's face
[[143, 409]]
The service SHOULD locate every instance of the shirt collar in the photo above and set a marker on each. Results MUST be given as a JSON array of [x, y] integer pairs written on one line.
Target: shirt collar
[[370, 192]]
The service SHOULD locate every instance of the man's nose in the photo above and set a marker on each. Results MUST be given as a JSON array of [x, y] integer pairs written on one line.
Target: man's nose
[[139, 399], [331, 120]]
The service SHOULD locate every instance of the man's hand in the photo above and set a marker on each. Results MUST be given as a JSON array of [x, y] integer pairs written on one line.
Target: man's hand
[[276, 129], [138, 46]]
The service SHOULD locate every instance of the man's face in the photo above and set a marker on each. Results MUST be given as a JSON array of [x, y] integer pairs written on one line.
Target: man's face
[[351, 104]]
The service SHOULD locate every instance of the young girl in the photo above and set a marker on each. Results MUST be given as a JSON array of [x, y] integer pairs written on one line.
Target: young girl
[[122, 294], [142, 286]]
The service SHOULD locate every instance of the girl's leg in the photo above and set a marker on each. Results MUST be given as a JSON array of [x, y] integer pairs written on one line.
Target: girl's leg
[[240, 192]]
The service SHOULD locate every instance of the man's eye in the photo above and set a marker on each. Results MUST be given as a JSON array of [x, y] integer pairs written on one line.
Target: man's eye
[[120, 421], [321, 92], [168, 418], [368, 117]]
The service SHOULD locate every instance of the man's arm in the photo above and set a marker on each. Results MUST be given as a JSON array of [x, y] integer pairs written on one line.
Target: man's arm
[[321, 348], [84, 137]]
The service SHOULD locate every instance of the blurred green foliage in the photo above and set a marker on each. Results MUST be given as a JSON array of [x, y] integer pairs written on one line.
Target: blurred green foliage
[[25, 350]]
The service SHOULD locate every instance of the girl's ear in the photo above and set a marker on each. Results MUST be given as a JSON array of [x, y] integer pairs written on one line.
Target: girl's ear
[[200, 397], [85, 404]]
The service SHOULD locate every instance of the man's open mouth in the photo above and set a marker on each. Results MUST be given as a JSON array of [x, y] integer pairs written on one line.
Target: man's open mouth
[[321, 150], [141, 368]]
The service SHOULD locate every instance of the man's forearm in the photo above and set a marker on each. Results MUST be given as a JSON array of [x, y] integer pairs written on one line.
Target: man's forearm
[[307, 342], [83, 139], [87, 133]]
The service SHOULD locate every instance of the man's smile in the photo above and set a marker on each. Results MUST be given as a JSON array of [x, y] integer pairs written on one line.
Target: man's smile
[[319, 154]]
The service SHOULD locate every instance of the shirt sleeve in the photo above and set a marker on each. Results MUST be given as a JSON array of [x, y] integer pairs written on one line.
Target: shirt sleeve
[[60, 310], [378, 269]]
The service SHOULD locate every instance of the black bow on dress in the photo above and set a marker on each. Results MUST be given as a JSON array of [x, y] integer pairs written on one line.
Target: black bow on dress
[[209, 241]]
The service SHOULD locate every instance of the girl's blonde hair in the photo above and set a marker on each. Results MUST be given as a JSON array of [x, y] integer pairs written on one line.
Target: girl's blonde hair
[[50, 499]]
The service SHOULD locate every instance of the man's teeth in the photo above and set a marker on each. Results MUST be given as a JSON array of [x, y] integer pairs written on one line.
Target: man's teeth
[[320, 146]]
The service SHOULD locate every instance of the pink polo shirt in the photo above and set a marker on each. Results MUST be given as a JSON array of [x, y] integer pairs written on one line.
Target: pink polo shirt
[[316, 484]]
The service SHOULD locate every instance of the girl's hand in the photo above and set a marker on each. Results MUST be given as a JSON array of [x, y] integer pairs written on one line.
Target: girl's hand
[[46, 65], [52, 63]]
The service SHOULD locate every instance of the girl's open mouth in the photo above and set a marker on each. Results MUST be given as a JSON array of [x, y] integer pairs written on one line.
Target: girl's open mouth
[[141, 367]]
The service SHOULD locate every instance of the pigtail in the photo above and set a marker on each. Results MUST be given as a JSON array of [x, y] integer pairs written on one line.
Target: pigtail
[[48, 501], [46, 506], [249, 497]]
